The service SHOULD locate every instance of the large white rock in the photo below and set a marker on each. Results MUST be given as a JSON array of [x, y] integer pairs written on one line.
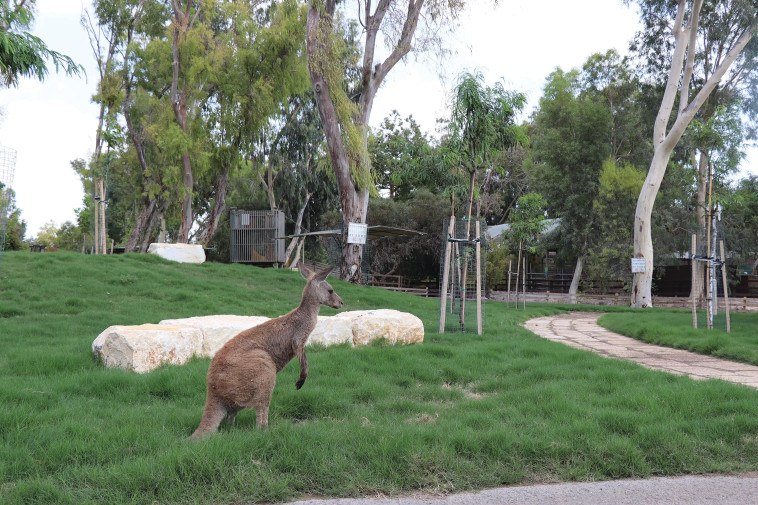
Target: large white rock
[[145, 347], [391, 325], [331, 331], [182, 253], [217, 330]]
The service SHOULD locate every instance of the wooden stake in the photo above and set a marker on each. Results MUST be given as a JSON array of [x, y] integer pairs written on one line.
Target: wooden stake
[[726, 288], [518, 270], [478, 282], [445, 275], [523, 281], [510, 273], [694, 289]]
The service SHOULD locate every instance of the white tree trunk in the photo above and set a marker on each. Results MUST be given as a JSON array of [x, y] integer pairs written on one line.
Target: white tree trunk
[[575, 280], [664, 142]]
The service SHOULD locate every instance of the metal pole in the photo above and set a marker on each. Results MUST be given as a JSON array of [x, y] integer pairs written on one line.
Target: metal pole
[[695, 291]]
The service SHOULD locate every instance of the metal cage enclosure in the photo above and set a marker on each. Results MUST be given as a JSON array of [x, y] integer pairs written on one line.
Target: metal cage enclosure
[[256, 236]]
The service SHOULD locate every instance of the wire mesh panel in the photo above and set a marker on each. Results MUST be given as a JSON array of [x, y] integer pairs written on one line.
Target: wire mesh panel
[[7, 171], [464, 257], [256, 236]]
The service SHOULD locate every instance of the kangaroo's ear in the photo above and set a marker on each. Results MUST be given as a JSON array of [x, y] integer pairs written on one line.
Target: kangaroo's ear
[[321, 275], [306, 272]]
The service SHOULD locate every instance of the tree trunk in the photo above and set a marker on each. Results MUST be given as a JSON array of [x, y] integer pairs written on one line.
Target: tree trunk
[[179, 103], [664, 143], [298, 225], [575, 280], [140, 225], [219, 206], [353, 189]]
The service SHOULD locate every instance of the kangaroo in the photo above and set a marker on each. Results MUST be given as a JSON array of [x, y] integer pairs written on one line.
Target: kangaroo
[[243, 372]]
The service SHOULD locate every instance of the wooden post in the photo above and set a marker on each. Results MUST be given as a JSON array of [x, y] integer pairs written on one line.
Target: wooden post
[[84, 244], [445, 275], [97, 216], [112, 244], [103, 231], [523, 282], [478, 282], [510, 274], [518, 271], [726, 288], [694, 289]]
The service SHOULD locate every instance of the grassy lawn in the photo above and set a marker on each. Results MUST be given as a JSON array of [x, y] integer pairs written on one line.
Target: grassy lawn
[[673, 328], [457, 412]]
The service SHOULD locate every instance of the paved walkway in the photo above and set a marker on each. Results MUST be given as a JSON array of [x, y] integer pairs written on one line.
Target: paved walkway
[[580, 330]]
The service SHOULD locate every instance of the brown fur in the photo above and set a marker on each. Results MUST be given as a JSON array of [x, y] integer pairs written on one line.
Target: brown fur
[[243, 373]]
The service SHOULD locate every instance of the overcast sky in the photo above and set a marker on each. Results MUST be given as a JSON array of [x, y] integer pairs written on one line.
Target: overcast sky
[[52, 123]]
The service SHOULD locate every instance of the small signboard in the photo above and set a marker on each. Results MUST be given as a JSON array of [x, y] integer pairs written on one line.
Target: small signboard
[[638, 265], [356, 233]]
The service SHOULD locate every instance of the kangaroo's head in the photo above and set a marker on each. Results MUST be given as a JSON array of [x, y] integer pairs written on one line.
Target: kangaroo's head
[[317, 286]]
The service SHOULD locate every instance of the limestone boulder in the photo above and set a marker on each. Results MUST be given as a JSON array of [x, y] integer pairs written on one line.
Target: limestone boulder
[[394, 326], [331, 331], [145, 347], [181, 253], [216, 330]]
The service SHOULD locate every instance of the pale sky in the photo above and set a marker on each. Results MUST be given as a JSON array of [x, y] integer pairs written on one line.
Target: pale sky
[[52, 123]]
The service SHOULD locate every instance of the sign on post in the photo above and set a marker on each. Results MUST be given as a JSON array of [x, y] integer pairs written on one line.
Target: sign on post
[[638, 265], [356, 233]]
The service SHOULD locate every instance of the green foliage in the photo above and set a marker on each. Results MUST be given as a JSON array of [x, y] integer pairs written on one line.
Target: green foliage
[[401, 157], [610, 253], [527, 222], [503, 408], [334, 54], [23, 54], [482, 121]]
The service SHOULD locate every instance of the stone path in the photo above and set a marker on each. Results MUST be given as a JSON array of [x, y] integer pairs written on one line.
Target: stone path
[[580, 330]]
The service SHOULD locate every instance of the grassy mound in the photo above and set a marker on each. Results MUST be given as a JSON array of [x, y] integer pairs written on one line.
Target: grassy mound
[[457, 412]]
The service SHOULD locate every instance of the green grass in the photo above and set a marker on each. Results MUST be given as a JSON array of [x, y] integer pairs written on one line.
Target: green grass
[[673, 328], [458, 412]]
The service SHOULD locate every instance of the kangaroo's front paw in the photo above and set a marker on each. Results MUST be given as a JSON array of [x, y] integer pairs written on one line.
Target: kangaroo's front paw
[[300, 383]]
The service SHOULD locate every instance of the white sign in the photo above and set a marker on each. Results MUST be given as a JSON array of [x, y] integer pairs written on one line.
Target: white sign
[[356, 233], [638, 265]]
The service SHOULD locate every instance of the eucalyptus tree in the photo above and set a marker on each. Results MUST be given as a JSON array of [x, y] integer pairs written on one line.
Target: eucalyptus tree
[[571, 138], [23, 54], [678, 24], [405, 25]]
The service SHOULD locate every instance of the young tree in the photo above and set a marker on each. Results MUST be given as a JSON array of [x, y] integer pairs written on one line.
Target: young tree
[[683, 22], [346, 121], [482, 124]]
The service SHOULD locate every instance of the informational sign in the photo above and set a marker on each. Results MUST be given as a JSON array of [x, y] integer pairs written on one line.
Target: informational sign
[[638, 265], [356, 233]]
